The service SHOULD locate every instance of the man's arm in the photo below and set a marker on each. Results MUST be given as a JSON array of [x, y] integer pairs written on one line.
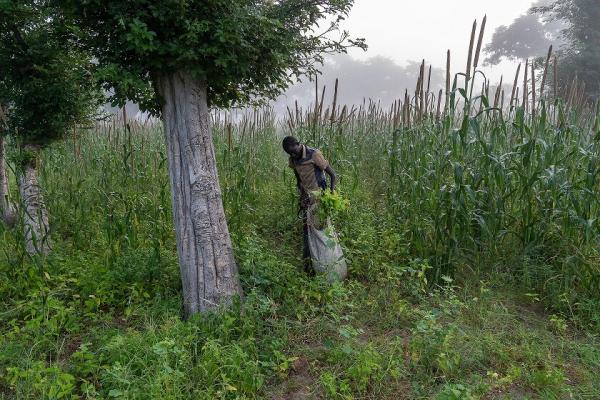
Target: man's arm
[[332, 177], [322, 163]]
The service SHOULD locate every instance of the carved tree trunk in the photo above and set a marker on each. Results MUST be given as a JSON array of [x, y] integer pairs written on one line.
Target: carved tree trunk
[[208, 269], [35, 215], [6, 208]]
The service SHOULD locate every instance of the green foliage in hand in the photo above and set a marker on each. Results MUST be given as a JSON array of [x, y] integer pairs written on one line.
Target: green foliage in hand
[[241, 48], [331, 204], [45, 81]]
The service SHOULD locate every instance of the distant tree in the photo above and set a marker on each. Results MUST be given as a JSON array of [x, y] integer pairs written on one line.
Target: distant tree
[[47, 90], [581, 55], [178, 58], [570, 25], [527, 37]]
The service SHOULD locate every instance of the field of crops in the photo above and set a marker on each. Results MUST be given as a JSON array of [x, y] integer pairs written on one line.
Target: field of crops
[[472, 240]]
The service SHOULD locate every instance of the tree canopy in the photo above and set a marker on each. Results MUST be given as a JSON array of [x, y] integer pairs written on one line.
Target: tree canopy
[[45, 79], [242, 48]]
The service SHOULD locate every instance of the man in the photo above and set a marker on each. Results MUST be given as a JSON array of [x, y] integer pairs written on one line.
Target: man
[[310, 168]]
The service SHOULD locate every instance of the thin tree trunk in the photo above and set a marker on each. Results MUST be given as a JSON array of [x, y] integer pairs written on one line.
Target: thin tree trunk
[[6, 207], [208, 269], [35, 215]]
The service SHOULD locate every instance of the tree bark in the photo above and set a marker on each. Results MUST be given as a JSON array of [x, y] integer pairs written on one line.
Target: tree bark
[[6, 207], [35, 215], [208, 269]]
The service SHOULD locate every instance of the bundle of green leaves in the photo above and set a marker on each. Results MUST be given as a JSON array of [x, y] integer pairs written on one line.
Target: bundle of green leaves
[[330, 204]]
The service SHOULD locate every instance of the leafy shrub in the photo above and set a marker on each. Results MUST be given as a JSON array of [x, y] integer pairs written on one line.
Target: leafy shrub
[[432, 347], [455, 392], [40, 381]]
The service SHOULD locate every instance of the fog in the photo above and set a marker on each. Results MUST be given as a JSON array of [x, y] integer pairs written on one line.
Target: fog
[[402, 33], [379, 79]]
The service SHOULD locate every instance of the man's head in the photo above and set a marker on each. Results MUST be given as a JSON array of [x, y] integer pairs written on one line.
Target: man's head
[[292, 146]]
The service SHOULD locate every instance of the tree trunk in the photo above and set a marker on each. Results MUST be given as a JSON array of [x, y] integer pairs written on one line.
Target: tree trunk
[[6, 207], [35, 216], [208, 269]]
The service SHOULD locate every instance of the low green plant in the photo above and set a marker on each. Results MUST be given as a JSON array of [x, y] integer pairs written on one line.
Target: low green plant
[[432, 346], [548, 379], [43, 382], [334, 387], [455, 392], [558, 323]]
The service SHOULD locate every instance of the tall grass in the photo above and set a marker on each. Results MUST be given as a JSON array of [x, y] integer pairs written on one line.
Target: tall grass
[[477, 185]]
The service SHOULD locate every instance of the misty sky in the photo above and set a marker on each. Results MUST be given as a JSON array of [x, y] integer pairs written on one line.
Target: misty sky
[[412, 30]]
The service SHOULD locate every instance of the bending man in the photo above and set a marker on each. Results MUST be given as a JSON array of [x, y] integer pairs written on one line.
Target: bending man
[[310, 168]]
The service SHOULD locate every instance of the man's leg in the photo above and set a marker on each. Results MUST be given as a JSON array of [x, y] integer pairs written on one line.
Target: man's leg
[[306, 248]]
